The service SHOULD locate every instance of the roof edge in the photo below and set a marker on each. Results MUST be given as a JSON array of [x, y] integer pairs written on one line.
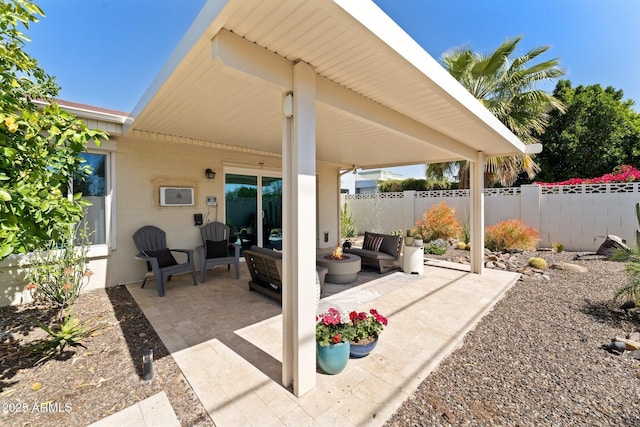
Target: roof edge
[[372, 17]]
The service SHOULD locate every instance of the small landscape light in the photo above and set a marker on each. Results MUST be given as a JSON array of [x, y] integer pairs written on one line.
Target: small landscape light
[[147, 364]]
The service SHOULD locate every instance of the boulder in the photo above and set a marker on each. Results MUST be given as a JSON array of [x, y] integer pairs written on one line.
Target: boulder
[[610, 245]]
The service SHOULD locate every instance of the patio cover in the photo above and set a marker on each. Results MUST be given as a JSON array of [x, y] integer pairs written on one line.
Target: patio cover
[[364, 94]]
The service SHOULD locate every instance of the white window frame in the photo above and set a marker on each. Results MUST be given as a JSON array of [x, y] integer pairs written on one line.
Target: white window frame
[[107, 148]]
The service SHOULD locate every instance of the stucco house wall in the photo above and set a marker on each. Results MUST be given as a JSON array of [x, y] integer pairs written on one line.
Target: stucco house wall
[[140, 167]]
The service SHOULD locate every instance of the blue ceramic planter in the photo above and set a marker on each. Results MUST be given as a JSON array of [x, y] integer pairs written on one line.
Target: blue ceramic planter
[[332, 358], [357, 350]]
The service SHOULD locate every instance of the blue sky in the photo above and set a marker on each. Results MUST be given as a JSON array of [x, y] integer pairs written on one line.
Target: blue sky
[[107, 52]]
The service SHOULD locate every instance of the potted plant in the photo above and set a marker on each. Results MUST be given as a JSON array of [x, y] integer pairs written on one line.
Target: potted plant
[[408, 240], [417, 240], [366, 329], [333, 332]]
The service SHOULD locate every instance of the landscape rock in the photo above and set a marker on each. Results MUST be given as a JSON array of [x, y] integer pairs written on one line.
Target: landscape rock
[[630, 344], [517, 260], [617, 347], [570, 267], [611, 245]]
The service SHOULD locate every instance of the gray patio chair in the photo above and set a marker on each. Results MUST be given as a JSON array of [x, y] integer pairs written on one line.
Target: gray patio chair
[[151, 243], [216, 249]]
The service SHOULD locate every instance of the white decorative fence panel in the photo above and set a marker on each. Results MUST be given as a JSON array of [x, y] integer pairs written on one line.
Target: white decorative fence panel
[[578, 216]]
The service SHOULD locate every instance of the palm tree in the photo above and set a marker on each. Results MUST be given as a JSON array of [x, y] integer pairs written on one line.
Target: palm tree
[[507, 87]]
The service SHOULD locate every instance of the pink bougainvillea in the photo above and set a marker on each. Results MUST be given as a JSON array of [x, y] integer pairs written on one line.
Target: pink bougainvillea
[[623, 173]]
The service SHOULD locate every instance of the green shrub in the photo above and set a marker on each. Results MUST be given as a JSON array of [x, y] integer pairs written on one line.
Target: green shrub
[[390, 186], [439, 222], [436, 247], [558, 247], [538, 263], [510, 234], [347, 227], [420, 184]]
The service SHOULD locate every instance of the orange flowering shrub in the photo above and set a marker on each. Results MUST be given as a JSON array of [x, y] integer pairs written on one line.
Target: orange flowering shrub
[[510, 234], [439, 222]]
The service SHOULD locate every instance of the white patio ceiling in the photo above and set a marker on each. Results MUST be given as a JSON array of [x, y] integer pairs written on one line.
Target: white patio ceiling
[[381, 100]]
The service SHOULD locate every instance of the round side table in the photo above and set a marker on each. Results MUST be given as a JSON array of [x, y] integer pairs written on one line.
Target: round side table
[[413, 260]]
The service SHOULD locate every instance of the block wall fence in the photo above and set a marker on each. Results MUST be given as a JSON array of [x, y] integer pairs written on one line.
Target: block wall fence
[[577, 216]]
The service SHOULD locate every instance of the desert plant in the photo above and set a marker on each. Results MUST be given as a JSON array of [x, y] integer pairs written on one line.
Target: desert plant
[[439, 222], [538, 263], [68, 332], [510, 234], [558, 247], [347, 227], [436, 247], [630, 291], [58, 272], [466, 230], [461, 246]]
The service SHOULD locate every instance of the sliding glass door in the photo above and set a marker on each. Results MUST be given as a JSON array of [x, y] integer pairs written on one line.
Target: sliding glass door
[[272, 212], [253, 207]]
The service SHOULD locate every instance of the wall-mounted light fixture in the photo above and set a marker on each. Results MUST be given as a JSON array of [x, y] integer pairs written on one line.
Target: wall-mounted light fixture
[[210, 174]]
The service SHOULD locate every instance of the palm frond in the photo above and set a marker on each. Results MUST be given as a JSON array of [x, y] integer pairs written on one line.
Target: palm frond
[[508, 89]]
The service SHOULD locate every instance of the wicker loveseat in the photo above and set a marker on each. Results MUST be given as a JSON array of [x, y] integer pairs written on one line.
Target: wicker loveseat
[[379, 250], [265, 267]]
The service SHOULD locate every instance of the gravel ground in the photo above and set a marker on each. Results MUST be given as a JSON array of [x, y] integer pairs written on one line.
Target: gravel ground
[[84, 385], [537, 358]]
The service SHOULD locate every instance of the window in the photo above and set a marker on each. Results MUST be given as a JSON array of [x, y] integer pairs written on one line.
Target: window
[[95, 189]]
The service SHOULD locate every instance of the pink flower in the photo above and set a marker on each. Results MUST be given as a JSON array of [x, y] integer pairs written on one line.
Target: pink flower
[[622, 173], [332, 317]]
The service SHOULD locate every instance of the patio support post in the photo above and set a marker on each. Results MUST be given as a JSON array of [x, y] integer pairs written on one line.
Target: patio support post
[[299, 243], [476, 188]]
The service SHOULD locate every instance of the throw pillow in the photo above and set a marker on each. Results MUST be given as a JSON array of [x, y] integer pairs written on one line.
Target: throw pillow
[[164, 256], [216, 249], [372, 243]]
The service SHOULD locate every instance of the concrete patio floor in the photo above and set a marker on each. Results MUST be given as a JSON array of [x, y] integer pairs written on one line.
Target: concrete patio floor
[[228, 343]]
